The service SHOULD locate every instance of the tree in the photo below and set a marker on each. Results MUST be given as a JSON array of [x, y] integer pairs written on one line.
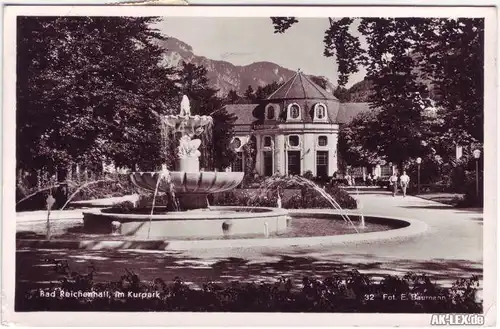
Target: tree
[[452, 58], [249, 154], [360, 92], [232, 97], [249, 94], [217, 152], [320, 81], [342, 94], [85, 90], [354, 137], [264, 92], [408, 60]]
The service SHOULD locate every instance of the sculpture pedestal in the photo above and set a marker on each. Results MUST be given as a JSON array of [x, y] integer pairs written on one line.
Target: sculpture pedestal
[[189, 164], [190, 201]]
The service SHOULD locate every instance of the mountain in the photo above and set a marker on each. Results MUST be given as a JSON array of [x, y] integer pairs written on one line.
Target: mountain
[[224, 75]]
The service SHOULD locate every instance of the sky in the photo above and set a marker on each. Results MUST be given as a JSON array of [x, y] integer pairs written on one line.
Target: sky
[[242, 41]]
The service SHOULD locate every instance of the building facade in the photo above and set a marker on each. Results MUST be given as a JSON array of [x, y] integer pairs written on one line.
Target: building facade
[[295, 130]]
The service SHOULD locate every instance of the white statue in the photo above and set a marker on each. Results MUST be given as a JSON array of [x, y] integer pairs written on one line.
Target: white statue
[[188, 147], [185, 106]]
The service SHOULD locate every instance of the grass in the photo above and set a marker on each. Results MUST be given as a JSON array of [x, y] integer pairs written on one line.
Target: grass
[[451, 199]]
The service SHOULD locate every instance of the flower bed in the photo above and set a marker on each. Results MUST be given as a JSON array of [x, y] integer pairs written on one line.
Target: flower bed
[[294, 198]]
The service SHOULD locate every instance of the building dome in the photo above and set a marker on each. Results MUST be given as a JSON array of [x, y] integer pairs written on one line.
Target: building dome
[[300, 100], [301, 86]]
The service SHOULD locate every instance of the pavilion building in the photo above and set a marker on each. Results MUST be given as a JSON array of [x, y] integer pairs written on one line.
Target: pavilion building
[[295, 130]]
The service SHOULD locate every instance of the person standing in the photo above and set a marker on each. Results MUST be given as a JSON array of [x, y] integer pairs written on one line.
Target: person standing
[[404, 180], [393, 182]]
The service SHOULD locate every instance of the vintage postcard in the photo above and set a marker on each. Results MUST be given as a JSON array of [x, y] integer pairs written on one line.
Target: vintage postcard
[[240, 165]]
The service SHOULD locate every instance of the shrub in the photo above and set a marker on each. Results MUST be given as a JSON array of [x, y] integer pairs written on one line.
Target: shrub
[[122, 207], [308, 198], [308, 175], [348, 291], [463, 180], [246, 198]]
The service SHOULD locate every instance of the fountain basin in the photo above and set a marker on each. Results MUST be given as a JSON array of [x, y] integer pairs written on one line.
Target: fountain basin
[[216, 222], [191, 188], [189, 182]]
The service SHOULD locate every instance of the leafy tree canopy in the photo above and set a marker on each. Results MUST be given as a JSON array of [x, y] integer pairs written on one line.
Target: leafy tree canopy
[[85, 90], [413, 64]]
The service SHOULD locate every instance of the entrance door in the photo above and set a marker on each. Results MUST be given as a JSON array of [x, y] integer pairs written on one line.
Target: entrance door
[[322, 164], [268, 163], [294, 162]]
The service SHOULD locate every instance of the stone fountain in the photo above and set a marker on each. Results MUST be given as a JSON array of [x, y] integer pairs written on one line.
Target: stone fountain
[[191, 186]]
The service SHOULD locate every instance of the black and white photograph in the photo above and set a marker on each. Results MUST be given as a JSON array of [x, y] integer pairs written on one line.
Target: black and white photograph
[[271, 160]]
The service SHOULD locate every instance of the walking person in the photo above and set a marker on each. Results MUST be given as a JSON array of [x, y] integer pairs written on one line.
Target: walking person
[[404, 180], [393, 182]]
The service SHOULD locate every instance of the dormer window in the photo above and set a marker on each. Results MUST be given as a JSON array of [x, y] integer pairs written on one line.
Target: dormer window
[[268, 142], [271, 110], [320, 112], [294, 111]]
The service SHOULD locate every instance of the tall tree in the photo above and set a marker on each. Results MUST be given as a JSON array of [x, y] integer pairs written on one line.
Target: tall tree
[[264, 92], [85, 90], [408, 60], [351, 144], [320, 81], [249, 94], [452, 58], [342, 94], [232, 97]]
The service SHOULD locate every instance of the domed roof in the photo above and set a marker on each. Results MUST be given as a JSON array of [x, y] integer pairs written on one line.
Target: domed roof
[[301, 87]]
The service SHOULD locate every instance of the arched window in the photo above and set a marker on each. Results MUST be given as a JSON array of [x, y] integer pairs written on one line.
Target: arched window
[[270, 112], [268, 142], [322, 140], [293, 140], [320, 111], [294, 111]]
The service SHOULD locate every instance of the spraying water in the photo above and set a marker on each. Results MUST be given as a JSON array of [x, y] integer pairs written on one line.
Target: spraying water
[[44, 189], [276, 181], [154, 200], [330, 199], [84, 186], [360, 204], [164, 175]]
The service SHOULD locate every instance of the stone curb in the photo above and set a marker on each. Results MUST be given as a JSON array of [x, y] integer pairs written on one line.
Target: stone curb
[[414, 229]]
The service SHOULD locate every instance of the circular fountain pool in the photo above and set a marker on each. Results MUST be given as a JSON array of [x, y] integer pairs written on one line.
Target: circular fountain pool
[[213, 222], [296, 227]]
